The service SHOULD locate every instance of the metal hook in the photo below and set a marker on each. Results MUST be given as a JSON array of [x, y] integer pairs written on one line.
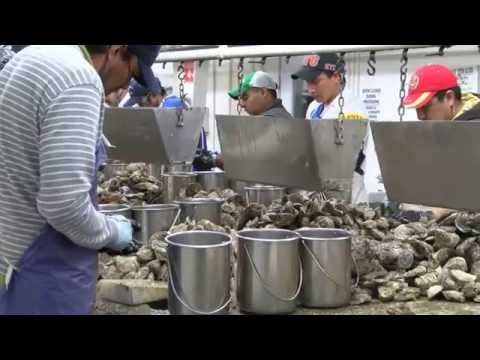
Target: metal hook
[[163, 65], [287, 59], [261, 62], [440, 52], [372, 61], [220, 62]]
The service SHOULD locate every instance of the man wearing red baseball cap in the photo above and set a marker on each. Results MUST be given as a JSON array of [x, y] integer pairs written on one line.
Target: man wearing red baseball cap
[[435, 94]]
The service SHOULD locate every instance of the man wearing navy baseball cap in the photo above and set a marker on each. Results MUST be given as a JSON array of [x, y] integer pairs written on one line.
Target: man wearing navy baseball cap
[[145, 97], [60, 146], [146, 56]]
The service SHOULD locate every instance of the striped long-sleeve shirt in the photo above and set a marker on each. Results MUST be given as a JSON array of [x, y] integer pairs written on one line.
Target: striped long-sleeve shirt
[[51, 118]]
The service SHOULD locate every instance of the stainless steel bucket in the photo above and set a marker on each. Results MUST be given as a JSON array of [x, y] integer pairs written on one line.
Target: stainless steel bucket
[[173, 182], [326, 258], [178, 167], [111, 209], [153, 219], [269, 271], [201, 209], [199, 273], [263, 194], [239, 186], [211, 180], [155, 170], [111, 169]]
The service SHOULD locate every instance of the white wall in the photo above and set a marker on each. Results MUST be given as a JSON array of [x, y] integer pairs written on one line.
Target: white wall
[[221, 78]]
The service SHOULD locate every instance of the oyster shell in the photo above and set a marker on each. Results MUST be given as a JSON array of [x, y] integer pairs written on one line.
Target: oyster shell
[[452, 295]]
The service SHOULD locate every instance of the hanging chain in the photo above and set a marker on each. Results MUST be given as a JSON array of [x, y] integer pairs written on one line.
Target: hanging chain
[[403, 80], [181, 87], [339, 138], [372, 61], [240, 69]]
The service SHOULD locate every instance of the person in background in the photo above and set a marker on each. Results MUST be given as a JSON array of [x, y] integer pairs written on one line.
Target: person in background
[[140, 96], [6, 54], [114, 99], [323, 78], [51, 115], [258, 96], [434, 93]]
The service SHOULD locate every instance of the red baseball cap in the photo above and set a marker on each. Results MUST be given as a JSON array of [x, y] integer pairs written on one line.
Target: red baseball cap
[[427, 82]]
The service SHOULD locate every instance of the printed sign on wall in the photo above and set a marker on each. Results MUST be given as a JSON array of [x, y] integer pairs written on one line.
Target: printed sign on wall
[[371, 101], [467, 78]]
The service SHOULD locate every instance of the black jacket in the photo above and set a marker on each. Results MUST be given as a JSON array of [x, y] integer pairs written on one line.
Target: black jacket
[[277, 110], [472, 114]]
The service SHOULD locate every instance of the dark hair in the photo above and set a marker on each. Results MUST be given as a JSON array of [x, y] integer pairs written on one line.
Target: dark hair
[[163, 91], [273, 93], [456, 90], [97, 49], [330, 73]]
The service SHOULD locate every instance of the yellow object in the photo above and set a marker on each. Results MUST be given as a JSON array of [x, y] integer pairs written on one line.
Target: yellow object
[[2, 281], [354, 115], [469, 101]]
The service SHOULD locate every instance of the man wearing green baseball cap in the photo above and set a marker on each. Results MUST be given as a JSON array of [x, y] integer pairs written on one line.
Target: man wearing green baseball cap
[[258, 96]]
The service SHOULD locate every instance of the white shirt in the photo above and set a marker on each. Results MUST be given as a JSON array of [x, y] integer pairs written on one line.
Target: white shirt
[[317, 111], [332, 110]]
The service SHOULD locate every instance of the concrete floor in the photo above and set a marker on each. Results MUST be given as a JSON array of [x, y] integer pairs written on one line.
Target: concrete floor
[[421, 307]]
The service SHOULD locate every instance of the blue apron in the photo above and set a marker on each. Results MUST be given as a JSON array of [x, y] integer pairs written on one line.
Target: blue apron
[[55, 276]]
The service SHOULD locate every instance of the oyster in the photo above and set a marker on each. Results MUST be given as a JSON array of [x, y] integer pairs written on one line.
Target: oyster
[[452, 295], [444, 239], [433, 291]]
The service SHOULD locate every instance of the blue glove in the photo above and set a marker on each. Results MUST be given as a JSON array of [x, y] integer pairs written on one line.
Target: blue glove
[[125, 233]]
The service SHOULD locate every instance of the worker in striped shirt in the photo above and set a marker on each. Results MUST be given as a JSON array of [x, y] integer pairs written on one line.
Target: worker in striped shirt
[[51, 119]]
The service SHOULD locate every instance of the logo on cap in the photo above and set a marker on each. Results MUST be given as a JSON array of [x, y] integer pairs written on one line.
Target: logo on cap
[[414, 81], [311, 60], [330, 67]]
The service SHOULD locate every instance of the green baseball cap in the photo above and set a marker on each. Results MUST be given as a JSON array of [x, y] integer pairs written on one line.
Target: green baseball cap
[[257, 79]]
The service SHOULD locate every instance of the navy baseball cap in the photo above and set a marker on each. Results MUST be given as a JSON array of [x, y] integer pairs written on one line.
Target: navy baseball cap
[[314, 65], [146, 54], [138, 90]]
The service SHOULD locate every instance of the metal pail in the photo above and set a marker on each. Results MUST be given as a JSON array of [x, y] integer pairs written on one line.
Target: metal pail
[[327, 274], [263, 194], [211, 180], [154, 218], [173, 183], [269, 271], [199, 273], [201, 209], [112, 209]]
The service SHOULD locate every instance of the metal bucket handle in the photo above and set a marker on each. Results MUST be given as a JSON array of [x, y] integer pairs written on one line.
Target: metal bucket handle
[[175, 220], [320, 267], [189, 307], [267, 287]]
